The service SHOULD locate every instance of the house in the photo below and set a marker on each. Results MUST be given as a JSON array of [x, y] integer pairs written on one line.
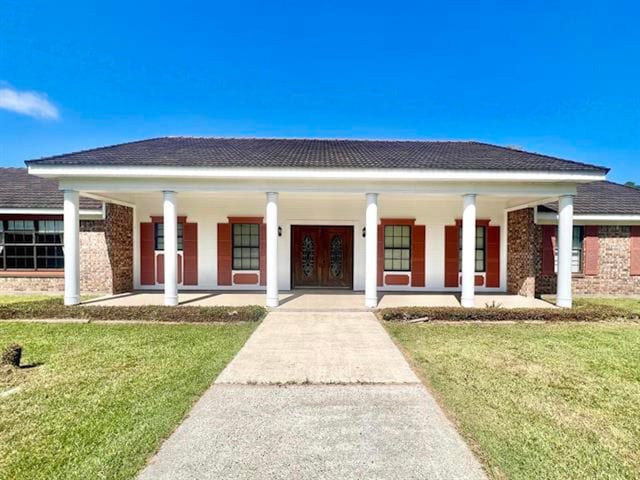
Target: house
[[31, 239], [279, 214]]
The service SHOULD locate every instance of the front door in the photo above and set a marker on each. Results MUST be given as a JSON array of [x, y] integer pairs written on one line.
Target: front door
[[322, 256]]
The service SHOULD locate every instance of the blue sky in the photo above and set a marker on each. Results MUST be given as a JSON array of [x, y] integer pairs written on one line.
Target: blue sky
[[560, 78]]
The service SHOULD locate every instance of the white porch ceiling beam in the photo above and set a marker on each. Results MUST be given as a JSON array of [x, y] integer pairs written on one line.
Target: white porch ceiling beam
[[102, 186]]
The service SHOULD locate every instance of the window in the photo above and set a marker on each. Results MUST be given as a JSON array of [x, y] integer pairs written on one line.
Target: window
[[481, 249], [159, 234], [576, 250], [397, 248], [31, 244], [246, 246]]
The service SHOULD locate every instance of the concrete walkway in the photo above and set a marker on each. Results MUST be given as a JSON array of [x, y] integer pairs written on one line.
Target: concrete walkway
[[316, 396], [317, 300]]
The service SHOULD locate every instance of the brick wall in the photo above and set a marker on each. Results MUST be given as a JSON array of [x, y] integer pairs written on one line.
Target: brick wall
[[106, 258], [119, 223], [524, 261], [47, 284], [521, 253], [613, 276]]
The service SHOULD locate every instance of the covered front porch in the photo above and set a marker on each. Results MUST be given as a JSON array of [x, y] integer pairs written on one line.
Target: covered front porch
[[384, 243], [319, 300]]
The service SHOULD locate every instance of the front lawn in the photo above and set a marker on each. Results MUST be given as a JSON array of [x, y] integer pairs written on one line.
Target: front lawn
[[101, 398], [537, 401], [627, 303]]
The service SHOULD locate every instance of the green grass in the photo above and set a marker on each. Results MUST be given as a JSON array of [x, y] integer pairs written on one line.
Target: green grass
[[537, 401], [103, 396], [12, 299], [630, 304]]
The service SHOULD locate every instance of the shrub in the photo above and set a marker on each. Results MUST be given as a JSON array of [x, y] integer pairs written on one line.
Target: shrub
[[55, 309], [591, 313]]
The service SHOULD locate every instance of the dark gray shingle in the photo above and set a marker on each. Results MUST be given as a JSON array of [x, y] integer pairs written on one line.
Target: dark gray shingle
[[316, 153], [18, 189], [603, 198]]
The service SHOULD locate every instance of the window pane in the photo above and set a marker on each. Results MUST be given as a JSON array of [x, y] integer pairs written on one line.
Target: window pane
[[246, 243], [397, 242]]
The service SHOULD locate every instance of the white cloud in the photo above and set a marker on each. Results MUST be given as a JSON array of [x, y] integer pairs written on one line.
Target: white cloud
[[33, 104]]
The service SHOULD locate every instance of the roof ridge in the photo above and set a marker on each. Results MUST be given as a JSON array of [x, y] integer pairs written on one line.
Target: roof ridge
[[332, 139], [543, 155]]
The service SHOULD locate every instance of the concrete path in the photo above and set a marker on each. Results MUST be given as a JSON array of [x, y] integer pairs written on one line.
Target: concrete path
[[316, 396], [319, 348]]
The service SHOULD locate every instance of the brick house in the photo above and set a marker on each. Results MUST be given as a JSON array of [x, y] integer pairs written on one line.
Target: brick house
[[31, 238], [184, 213]]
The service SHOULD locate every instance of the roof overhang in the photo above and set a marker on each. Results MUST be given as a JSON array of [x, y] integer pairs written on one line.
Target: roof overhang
[[85, 213], [62, 171], [551, 218]]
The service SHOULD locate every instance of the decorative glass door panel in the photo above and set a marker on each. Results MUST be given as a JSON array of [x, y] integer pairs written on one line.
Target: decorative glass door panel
[[322, 256]]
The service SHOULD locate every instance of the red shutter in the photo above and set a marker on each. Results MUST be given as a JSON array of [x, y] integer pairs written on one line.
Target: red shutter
[[160, 268], [224, 254], [380, 255], [147, 254], [451, 253], [493, 256], [263, 254], [591, 247], [190, 250], [417, 256], [548, 250], [635, 250]]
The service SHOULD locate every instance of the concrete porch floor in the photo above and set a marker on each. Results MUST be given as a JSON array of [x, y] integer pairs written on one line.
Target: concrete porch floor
[[322, 300]]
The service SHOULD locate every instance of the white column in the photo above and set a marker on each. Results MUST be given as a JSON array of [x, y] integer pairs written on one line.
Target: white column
[[71, 247], [468, 250], [565, 247], [170, 249], [371, 252], [272, 249]]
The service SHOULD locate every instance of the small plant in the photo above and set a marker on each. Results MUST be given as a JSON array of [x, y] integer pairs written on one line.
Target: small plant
[[493, 304], [11, 355]]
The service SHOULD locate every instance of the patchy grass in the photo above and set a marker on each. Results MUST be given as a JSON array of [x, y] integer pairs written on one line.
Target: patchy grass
[[628, 303], [103, 397], [537, 401]]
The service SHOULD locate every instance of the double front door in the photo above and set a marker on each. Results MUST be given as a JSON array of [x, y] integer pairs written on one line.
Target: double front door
[[322, 256]]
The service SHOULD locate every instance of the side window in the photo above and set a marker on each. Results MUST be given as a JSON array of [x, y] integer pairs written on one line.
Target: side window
[[481, 249], [576, 250], [159, 236], [397, 248], [246, 246]]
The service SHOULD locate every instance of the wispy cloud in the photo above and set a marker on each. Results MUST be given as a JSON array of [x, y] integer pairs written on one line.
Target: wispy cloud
[[33, 104]]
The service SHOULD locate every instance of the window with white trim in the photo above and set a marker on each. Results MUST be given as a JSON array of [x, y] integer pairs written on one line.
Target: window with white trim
[[577, 247], [397, 248], [159, 236], [31, 244], [481, 249], [246, 246]]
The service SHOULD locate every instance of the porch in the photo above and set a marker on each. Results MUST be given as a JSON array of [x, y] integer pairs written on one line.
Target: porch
[[318, 300], [417, 241]]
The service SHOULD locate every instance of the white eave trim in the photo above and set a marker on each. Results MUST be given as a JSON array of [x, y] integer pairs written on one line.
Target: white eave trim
[[85, 214], [310, 173], [552, 217]]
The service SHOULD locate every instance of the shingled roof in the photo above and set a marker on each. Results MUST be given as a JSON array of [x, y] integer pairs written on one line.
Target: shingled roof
[[18, 189], [602, 198], [316, 153]]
